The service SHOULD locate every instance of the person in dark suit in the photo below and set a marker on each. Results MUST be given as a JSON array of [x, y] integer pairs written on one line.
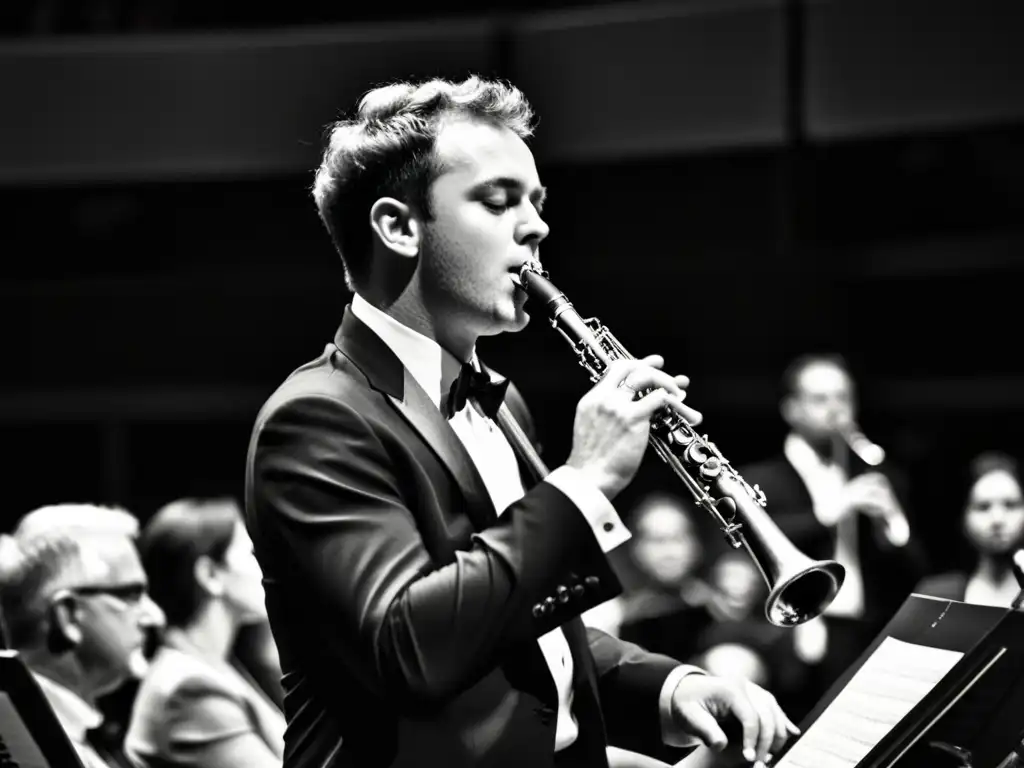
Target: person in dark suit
[[76, 609], [993, 527], [423, 596], [832, 506]]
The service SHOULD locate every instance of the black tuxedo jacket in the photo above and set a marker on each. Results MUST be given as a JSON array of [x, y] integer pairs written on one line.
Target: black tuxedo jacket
[[889, 572], [405, 610]]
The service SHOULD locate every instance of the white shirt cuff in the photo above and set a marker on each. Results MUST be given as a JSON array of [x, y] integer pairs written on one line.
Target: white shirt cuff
[[604, 521], [672, 734]]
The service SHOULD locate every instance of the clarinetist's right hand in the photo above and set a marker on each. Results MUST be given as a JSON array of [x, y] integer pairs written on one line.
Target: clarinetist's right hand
[[611, 428]]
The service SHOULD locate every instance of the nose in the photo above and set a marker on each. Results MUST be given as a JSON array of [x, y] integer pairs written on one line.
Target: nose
[[151, 616], [997, 515], [533, 228]]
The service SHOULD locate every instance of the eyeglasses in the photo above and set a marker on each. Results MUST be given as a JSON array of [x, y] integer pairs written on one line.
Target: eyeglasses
[[129, 594]]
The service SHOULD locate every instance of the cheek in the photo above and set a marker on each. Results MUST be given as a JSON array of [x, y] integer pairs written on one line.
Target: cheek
[[110, 638], [468, 240], [974, 526]]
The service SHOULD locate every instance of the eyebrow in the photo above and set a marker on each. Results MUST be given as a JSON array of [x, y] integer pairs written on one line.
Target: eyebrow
[[537, 196]]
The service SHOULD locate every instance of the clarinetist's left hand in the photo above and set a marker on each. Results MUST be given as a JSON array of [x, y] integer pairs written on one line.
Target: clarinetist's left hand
[[704, 705], [692, 416]]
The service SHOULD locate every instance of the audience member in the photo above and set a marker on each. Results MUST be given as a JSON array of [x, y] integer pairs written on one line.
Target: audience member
[[195, 708], [993, 528], [74, 604]]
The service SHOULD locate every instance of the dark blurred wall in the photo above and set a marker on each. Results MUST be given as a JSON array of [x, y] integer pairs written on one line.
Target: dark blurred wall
[[732, 184]]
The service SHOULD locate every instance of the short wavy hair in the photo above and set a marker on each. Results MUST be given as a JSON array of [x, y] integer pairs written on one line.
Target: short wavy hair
[[388, 150], [52, 548]]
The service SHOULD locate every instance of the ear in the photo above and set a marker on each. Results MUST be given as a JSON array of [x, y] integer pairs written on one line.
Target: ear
[[207, 576], [396, 226], [788, 409], [65, 631]]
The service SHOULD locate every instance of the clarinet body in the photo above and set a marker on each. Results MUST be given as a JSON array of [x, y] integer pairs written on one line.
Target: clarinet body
[[800, 588]]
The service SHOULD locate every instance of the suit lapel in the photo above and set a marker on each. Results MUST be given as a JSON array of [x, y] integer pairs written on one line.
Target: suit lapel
[[385, 372], [435, 430], [796, 482]]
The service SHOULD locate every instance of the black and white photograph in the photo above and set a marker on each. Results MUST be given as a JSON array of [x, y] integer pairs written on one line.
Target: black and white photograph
[[512, 384]]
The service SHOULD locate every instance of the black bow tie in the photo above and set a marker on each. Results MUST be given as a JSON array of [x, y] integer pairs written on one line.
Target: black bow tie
[[476, 385]]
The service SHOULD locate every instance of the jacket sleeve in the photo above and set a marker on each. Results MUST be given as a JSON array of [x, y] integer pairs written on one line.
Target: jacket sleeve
[[630, 682], [329, 507]]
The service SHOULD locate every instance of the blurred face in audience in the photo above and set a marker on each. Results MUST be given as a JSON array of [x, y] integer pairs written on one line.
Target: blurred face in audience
[[108, 615], [823, 400], [994, 518], [666, 546], [738, 581], [243, 579]]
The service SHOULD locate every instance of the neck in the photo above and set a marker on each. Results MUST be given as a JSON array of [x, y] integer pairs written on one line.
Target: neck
[[64, 670], [995, 568], [213, 631], [411, 310]]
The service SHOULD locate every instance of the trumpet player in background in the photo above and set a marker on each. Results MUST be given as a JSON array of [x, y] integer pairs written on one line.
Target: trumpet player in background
[[424, 594], [834, 495]]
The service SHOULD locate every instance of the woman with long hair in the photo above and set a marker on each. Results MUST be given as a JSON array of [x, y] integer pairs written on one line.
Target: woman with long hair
[[993, 526]]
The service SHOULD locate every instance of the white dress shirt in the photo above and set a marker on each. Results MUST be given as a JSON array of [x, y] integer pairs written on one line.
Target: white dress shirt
[[76, 716], [825, 483], [434, 369]]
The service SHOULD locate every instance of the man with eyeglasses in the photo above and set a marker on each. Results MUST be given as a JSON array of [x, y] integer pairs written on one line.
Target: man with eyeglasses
[[74, 605]]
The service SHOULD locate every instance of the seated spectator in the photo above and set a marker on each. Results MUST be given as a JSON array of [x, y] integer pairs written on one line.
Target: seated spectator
[[664, 605], [74, 604], [993, 528], [195, 708]]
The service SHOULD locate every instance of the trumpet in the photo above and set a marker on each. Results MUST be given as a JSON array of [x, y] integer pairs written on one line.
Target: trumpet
[[800, 588]]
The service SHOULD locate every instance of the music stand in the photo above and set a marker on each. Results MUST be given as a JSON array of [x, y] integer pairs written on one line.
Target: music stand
[[30, 734], [971, 715]]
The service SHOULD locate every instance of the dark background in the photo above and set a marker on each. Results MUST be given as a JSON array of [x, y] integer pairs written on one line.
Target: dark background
[[732, 184]]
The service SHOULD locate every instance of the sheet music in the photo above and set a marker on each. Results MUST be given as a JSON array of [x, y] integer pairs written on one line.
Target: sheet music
[[16, 738], [889, 684]]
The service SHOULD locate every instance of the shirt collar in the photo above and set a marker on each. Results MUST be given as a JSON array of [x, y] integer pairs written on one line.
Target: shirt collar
[[75, 714], [805, 459], [432, 366]]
